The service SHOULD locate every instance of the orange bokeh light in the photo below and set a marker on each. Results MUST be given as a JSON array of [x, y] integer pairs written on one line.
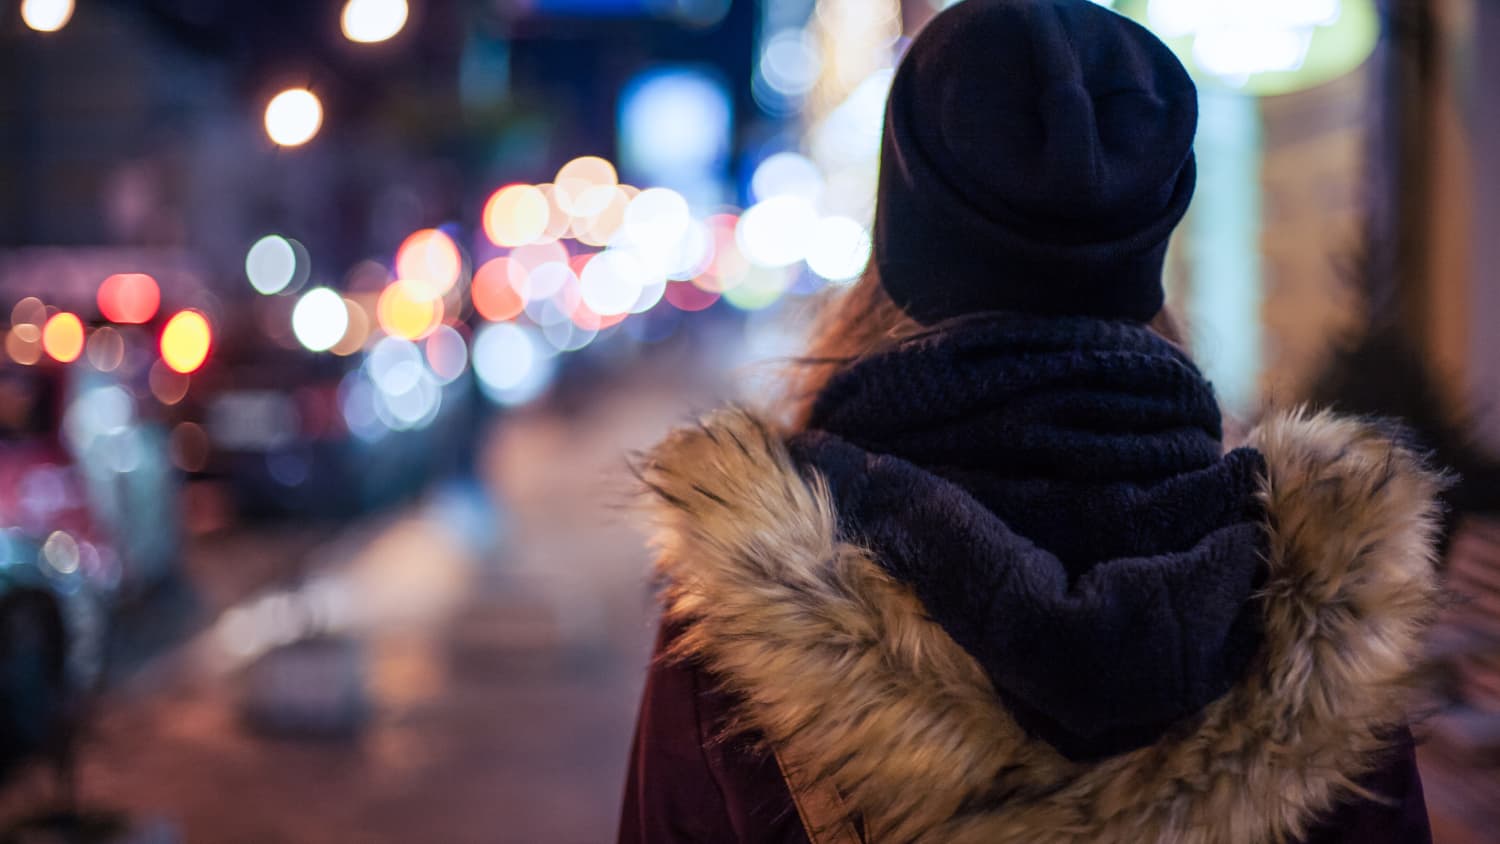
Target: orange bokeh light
[[62, 337], [406, 311], [430, 263], [185, 341], [129, 298], [495, 298]]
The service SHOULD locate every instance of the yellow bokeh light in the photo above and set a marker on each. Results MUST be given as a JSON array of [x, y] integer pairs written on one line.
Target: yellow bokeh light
[[429, 263], [185, 341], [293, 117], [405, 311], [62, 337], [517, 215]]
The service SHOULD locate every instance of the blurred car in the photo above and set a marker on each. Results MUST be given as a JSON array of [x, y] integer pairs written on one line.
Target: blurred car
[[87, 523], [294, 436]]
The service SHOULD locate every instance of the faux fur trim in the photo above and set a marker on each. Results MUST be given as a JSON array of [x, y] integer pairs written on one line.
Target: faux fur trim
[[840, 669]]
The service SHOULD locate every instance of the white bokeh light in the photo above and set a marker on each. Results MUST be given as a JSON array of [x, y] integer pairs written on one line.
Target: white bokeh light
[[657, 219], [787, 174], [46, 15], [372, 21], [612, 282], [777, 232], [293, 117], [790, 62], [271, 264], [839, 249], [320, 319], [395, 365], [512, 364]]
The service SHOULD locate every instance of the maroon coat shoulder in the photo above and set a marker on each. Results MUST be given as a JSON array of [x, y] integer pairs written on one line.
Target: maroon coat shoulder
[[690, 782]]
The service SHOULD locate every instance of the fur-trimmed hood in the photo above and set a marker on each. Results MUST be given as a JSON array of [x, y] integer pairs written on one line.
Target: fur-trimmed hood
[[844, 675]]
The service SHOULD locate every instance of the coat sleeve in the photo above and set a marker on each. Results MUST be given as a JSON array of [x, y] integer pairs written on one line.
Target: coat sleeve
[[1398, 816], [671, 793]]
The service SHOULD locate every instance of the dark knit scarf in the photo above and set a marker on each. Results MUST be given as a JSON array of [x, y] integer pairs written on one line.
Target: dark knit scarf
[[1056, 493]]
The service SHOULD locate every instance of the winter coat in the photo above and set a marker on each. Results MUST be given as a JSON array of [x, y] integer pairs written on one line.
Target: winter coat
[[790, 656]]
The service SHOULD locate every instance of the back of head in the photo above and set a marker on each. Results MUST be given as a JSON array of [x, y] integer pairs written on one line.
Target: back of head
[[1037, 155]]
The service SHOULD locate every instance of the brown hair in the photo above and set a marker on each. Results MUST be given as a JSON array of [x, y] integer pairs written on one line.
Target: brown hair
[[863, 320]]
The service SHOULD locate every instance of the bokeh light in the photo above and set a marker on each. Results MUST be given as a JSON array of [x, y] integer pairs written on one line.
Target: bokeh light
[[524, 269], [839, 249], [46, 15], [406, 310], [657, 219], [429, 262], [21, 349], [189, 446], [406, 394], [694, 253], [676, 126], [62, 337], [790, 62], [513, 365], [729, 266], [129, 298], [584, 186], [185, 341], [1270, 47], [447, 354], [494, 297], [394, 365], [600, 227], [559, 221], [552, 281], [685, 296], [293, 117], [516, 215], [760, 288], [777, 232], [105, 349], [357, 333], [27, 317], [786, 174], [320, 319], [373, 21], [613, 281], [272, 265], [167, 384]]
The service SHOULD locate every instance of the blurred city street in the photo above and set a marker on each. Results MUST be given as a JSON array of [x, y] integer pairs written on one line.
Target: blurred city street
[[502, 681], [328, 331]]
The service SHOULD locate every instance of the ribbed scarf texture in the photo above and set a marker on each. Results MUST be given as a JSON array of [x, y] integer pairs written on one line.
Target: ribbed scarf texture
[[1056, 493]]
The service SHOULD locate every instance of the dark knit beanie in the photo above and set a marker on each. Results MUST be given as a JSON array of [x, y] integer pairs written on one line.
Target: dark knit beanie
[[1037, 155]]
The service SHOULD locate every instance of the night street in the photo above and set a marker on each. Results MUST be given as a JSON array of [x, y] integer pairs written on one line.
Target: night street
[[503, 683]]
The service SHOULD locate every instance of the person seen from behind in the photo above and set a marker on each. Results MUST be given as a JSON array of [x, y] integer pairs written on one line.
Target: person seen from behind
[[1001, 579]]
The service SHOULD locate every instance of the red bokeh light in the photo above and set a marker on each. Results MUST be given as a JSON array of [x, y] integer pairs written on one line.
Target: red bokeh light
[[129, 298]]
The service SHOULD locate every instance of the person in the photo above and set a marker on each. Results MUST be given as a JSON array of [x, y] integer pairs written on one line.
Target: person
[[998, 578]]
